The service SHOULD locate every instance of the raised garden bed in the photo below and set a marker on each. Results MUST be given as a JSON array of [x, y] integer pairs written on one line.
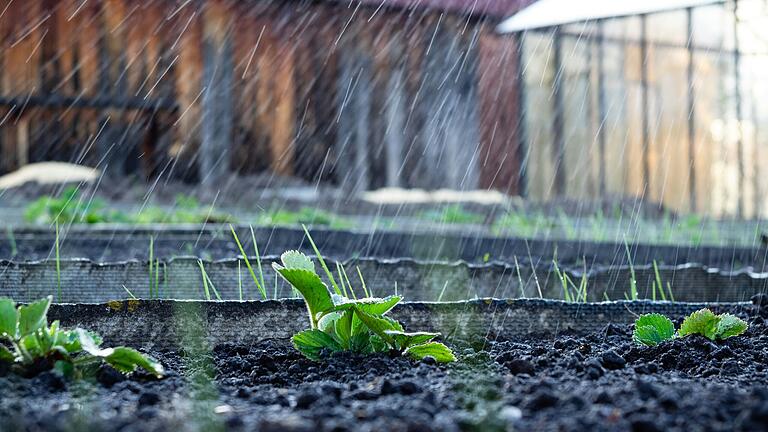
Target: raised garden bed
[[181, 278], [523, 365], [119, 243]]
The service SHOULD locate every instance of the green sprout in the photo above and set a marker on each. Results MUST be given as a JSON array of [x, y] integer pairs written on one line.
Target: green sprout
[[306, 215], [207, 282], [652, 329], [452, 214], [338, 323], [258, 282], [58, 265], [632, 279], [73, 353], [706, 323]]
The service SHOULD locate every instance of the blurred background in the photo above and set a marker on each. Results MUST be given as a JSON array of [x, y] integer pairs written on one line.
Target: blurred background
[[509, 115]]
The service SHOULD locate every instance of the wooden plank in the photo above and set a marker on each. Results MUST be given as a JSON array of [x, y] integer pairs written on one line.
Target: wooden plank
[[353, 100], [188, 93], [416, 33], [392, 68], [434, 104], [21, 75], [217, 101], [499, 126], [316, 75], [65, 47], [284, 116]]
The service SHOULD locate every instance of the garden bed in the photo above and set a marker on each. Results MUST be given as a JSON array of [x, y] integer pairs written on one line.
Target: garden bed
[[118, 243], [181, 278], [525, 365]]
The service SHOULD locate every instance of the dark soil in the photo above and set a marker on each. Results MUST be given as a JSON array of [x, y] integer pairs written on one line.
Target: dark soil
[[597, 382]]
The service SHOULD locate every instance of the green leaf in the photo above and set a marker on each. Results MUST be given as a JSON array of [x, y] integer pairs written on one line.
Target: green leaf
[[296, 260], [311, 287], [70, 340], [370, 305], [379, 325], [311, 342], [438, 351], [127, 360], [9, 317], [730, 325], [6, 355], [404, 340], [342, 327], [65, 368], [30, 345], [32, 317], [327, 322], [651, 329], [89, 345], [702, 322], [377, 344], [363, 343]]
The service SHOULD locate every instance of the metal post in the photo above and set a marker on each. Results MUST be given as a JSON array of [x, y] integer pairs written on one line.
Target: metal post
[[644, 104], [691, 116], [602, 114], [737, 96], [522, 143], [558, 117]]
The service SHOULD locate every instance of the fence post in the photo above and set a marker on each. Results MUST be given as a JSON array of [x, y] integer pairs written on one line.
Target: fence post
[[217, 121]]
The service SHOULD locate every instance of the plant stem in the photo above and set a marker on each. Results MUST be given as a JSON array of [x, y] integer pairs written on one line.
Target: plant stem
[[362, 281], [262, 290], [258, 257], [58, 264], [322, 261]]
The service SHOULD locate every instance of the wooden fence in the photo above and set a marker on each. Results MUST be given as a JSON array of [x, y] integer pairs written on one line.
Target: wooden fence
[[359, 94]]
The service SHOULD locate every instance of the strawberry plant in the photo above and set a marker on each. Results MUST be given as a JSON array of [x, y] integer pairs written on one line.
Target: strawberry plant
[[338, 323], [712, 326], [29, 344], [652, 329]]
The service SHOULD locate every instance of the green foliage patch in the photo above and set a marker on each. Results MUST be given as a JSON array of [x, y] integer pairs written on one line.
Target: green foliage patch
[[30, 344], [652, 329], [339, 323], [71, 207]]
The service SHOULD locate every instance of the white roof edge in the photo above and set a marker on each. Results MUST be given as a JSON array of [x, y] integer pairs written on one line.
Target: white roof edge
[[551, 13]]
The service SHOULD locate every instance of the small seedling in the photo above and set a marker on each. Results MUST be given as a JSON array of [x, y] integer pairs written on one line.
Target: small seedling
[[35, 346], [652, 329], [58, 265], [259, 285], [563, 278], [338, 323], [207, 282], [657, 285], [452, 214], [12, 241], [632, 279], [154, 271], [706, 323]]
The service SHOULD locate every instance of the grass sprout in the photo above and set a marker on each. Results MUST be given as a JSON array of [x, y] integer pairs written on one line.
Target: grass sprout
[[632, 280], [207, 283], [259, 286], [58, 265], [322, 261]]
